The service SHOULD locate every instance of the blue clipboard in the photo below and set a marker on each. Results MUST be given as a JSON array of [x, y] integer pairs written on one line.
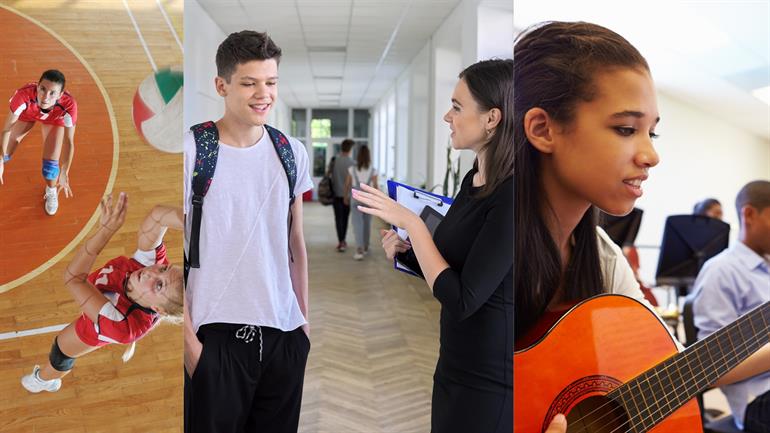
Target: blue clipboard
[[416, 200]]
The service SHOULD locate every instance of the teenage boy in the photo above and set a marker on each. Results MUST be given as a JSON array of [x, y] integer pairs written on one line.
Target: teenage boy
[[246, 331]]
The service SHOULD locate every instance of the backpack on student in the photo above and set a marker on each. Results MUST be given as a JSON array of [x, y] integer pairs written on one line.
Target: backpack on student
[[206, 151], [325, 187]]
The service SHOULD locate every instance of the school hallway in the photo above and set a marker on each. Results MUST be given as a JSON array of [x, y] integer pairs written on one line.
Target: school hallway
[[374, 334]]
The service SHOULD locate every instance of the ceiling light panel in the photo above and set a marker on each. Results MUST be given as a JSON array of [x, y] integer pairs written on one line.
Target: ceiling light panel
[[328, 85]]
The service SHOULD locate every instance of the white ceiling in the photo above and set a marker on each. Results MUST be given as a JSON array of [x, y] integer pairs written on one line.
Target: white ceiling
[[710, 54], [337, 53]]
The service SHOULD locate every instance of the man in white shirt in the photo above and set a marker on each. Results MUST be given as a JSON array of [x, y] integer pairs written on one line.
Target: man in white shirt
[[246, 330]]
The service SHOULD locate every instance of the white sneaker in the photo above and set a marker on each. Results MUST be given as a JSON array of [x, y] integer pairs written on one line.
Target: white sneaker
[[51, 200], [358, 256], [33, 383]]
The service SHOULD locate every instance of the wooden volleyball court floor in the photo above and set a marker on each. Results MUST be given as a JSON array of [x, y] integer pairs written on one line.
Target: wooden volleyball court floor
[[105, 49]]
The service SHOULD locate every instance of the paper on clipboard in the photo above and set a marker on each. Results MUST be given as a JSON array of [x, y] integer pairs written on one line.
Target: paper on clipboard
[[430, 207], [416, 200]]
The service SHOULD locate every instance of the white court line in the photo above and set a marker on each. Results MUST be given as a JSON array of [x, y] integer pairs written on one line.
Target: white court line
[[141, 38], [36, 331], [170, 27]]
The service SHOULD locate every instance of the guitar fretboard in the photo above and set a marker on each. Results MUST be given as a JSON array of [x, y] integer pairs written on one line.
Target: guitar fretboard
[[655, 394]]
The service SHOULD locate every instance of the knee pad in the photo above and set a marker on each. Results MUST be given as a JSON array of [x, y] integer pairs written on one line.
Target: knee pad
[[60, 361], [50, 169], [6, 158]]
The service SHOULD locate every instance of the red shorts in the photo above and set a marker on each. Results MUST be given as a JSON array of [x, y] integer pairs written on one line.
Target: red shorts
[[84, 328]]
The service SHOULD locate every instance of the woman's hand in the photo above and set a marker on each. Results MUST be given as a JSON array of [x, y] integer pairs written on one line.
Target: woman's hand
[[393, 244], [377, 203], [113, 217]]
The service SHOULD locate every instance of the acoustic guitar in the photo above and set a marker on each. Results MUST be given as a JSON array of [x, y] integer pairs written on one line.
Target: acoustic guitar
[[611, 366]]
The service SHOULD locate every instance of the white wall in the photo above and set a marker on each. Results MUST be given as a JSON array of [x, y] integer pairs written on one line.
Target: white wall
[[470, 33], [446, 63], [201, 101], [496, 37], [700, 156], [419, 118]]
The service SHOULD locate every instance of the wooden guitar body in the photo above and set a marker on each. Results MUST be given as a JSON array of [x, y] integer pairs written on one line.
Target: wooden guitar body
[[599, 345]]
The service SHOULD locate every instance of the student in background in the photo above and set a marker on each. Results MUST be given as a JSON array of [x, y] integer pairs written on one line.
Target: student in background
[[709, 207], [360, 173], [339, 173], [730, 285]]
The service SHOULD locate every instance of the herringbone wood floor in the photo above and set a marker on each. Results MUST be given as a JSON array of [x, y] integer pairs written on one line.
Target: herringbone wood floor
[[374, 334]]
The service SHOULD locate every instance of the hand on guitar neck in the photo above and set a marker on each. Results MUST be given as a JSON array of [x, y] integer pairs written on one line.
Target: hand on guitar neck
[[558, 425]]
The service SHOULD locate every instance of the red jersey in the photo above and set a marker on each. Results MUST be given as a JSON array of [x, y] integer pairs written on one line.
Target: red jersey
[[24, 104], [120, 320]]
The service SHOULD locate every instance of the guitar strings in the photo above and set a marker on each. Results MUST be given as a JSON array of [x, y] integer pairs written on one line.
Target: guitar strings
[[697, 378]]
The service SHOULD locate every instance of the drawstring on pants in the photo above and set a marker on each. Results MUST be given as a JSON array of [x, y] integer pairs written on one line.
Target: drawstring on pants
[[247, 334]]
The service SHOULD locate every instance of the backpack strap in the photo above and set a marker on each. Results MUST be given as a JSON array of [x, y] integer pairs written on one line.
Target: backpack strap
[[206, 152], [286, 155], [355, 176]]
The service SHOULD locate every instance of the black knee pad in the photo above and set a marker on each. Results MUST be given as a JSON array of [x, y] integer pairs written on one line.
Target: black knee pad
[[60, 361]]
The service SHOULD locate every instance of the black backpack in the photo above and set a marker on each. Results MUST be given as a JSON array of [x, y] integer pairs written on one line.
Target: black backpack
[[325, 187], [206, 152]]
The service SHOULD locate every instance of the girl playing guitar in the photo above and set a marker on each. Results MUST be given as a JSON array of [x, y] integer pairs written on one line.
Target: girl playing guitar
[[585, 117]]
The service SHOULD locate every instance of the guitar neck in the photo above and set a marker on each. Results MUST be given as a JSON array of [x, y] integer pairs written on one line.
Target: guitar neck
[[652, 396]]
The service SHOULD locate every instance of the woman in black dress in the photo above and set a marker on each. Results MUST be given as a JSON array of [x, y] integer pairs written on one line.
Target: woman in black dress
[[468, 263]]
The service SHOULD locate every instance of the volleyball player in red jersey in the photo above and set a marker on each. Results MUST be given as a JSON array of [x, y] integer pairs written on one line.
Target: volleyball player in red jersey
[[56, 110], [121, 301]]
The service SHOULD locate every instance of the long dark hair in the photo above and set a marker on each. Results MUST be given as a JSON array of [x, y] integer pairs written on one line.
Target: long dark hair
[[554, 66], [491, 85], [363, 160]]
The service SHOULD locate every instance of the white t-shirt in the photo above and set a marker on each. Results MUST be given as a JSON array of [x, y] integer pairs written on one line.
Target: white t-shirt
[[619, 277], [364, 176], [244, 255]]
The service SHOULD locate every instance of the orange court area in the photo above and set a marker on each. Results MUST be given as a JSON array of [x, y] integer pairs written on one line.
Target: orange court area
[[31, 240]]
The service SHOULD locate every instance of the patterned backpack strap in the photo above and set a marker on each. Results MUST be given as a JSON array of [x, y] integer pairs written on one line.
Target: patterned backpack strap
[[206, 152], [285, 154]]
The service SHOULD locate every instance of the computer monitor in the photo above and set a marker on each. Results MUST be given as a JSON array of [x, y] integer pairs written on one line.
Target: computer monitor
[[622, 230], [688, 241]]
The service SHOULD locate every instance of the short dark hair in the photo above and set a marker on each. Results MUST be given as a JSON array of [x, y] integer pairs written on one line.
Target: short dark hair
[[53, 76], [347, 144], [705, 205], [755, 194], [244, 46]]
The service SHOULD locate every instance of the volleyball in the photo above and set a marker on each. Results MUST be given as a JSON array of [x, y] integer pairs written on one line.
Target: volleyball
[[157, 109]]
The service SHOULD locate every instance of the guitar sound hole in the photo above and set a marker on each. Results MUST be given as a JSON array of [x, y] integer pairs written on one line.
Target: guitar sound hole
[[598, 414]]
